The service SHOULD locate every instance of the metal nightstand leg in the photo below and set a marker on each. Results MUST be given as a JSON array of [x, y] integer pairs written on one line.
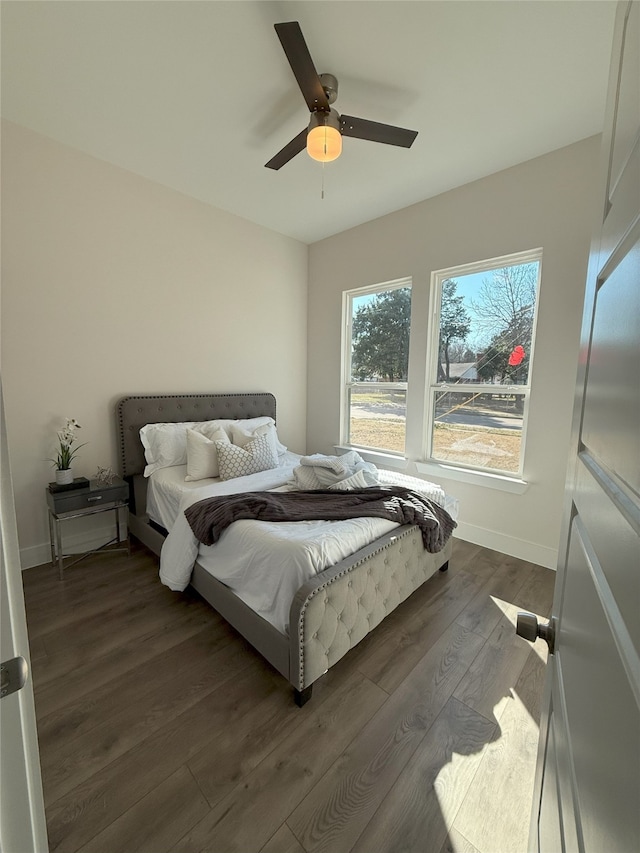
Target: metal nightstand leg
[[60, 552], [51, 542], [128, 540]]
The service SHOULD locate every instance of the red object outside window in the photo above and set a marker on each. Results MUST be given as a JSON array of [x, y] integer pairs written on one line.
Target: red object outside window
[[517, 356]]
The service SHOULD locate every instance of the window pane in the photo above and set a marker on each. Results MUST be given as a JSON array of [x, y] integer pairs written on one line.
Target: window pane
[[480, 430], [380, 336], [377, 417], [378, 366], [486, 325]]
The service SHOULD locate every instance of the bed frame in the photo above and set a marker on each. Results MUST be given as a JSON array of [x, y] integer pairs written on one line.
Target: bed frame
[[330, 613]]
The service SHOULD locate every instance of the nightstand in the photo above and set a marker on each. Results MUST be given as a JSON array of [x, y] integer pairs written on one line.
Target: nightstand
[[91, 499]]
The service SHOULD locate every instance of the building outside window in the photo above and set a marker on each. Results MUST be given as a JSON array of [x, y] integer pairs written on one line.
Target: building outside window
[[479, 340], [481, 345]]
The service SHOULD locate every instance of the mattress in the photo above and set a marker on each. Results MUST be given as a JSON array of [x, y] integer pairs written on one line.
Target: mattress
[[264, 563]]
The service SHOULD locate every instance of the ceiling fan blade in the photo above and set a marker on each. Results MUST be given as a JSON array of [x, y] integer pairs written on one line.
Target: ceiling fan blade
[[360, 128], [289, 151], [304, 70]]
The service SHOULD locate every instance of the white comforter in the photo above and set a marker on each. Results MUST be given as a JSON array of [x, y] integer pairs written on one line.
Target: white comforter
[[265, 563]]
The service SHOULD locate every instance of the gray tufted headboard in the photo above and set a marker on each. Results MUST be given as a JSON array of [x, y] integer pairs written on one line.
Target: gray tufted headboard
[[133, 413]]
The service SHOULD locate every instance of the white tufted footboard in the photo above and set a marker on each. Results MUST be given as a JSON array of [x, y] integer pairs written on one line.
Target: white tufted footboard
[[333, 612]]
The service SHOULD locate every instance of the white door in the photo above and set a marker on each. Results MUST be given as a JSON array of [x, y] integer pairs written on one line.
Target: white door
[[22, 819], [587, 790]]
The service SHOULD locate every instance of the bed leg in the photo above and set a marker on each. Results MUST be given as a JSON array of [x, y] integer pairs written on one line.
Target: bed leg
[[444, 567], [303, 696]]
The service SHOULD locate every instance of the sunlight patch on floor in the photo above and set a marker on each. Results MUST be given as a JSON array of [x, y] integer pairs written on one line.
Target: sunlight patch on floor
[[507, 767]]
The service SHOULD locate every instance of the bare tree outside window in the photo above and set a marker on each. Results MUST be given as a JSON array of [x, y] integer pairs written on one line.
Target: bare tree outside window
[[480, 386], [479, 339]]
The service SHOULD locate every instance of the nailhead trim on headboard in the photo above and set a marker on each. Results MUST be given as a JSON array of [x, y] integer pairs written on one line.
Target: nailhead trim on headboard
[[132, 413]]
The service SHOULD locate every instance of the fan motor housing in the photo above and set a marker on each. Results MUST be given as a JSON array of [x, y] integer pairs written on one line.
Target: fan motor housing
[[330, 86]]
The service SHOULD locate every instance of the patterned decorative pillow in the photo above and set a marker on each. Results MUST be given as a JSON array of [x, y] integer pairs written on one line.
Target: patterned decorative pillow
[[233, 461], [241, 437]]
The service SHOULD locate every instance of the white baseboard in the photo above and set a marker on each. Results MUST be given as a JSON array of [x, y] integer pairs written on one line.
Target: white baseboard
[[530, 551], [74, 543]]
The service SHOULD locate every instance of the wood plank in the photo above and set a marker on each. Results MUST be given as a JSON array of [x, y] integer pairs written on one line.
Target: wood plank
[[256, 757], [52, 698], [346, 798], [78, 816], [95, 574], [506, 771], [101, 639], [488, 684], [455, 842], [284, 841], [483, 612], [479, 561], [37, 650], [225, 761], [156, 822], [72, 759], [134, 618], [421, 806], [536, 594], [257, 807]]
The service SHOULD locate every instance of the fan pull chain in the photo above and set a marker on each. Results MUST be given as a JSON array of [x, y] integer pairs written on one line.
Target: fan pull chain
[[322, 191]]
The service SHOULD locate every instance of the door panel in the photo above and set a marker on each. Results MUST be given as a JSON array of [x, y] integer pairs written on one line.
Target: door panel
[[564, 771], [551, 809], [601, 704], [612, 395], [590, 722], [612, 536], [22, 818], [628, 107]]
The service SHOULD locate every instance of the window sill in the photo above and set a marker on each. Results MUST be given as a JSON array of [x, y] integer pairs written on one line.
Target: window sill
[[378, 457], [440, 470], [477, 478]]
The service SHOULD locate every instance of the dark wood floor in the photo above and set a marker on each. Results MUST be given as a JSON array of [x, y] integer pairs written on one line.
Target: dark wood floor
[[162, 730]]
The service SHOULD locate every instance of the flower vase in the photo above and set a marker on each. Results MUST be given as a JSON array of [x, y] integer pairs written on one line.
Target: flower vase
[[64, 476]]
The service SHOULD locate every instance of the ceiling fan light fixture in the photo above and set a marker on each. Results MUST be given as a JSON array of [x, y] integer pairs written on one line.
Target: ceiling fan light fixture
[[324, 140]]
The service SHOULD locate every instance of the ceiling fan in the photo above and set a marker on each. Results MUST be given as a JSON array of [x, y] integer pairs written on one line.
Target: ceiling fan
[[323, 137]]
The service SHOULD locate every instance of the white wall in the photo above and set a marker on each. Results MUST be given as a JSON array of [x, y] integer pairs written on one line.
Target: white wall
[[113, 285], [547, 202]]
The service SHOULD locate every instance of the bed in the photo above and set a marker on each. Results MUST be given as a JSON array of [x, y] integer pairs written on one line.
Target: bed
[[330, 612]]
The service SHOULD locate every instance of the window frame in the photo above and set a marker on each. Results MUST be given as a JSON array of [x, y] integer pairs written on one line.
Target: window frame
[[423, 354], [433, 387], [347, 383]]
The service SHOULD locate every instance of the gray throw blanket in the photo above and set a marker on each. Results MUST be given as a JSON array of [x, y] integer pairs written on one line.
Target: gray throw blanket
[[210, 517]]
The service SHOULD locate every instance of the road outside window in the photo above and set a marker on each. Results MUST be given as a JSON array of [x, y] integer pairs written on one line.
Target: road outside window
[[478, 335], [480, 367], [378, 322]]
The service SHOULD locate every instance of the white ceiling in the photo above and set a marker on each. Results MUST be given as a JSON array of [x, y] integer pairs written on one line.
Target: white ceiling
[[199, 95]]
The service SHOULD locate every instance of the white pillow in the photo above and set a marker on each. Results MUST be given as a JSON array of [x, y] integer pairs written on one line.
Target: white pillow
[[235, 461], [249, 425], [242, 437], [165, 445], [202, 455]]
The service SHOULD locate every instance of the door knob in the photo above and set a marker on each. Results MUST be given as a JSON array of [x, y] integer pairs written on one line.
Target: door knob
[[528, 627]]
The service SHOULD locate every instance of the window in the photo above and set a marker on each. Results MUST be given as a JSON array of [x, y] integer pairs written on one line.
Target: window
[[481, 343], [376, 359], [468, 411]]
